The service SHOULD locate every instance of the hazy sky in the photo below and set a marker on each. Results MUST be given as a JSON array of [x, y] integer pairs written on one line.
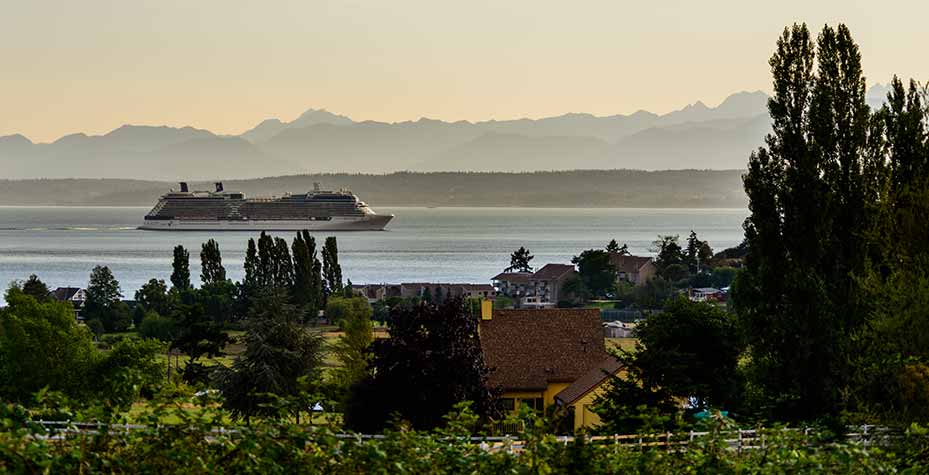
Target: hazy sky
[[224, 65]]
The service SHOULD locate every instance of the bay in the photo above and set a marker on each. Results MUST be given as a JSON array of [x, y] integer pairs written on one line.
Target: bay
[[62, 244]]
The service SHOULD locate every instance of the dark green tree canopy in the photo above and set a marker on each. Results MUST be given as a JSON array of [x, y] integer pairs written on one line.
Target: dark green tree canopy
[[36, 288], [431, 361], [153, 295], [596, 271]]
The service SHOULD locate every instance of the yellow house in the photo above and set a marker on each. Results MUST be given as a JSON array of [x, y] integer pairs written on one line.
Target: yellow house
[[535, 354], [580, 395]]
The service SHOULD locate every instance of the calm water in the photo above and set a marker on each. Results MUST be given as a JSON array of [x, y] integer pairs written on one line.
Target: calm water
[[62, 245]]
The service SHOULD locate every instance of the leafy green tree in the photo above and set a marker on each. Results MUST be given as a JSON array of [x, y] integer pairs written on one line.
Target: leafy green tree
[[431, 362], [280, 357], [197, 334], [153, 295], [41, 345], [690, 351], [103, 301], [353, 347], [180, 273], [129, 371], [596, 271], [332, 271], [211, 264], [36, 288], [520, 261]]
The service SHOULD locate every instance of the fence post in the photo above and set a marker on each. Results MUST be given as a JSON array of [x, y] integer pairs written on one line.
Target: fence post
[[740, 441], [864, 435]]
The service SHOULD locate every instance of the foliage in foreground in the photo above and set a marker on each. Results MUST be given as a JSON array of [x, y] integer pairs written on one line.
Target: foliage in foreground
[[195, 447]]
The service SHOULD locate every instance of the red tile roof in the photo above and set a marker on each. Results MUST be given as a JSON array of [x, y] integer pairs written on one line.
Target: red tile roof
[[552, 271], [528, 349]]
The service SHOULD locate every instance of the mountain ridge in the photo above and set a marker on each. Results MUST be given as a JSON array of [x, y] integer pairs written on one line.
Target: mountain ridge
[[322, 141]]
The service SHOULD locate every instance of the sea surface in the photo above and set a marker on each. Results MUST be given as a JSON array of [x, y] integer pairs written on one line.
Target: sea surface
[[62, 244]]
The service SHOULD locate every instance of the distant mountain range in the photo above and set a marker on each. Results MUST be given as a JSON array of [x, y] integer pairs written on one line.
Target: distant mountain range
[[695, 137]]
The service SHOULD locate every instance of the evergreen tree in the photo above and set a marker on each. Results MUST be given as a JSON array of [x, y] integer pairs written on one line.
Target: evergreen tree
[[519, 261], [211, 264], [332, 271], [280, 359], [36, 289], [180, 274], [613, 247], [670, 261]]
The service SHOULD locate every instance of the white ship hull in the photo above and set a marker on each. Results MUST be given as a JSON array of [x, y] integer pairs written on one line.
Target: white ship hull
[[337, 223]]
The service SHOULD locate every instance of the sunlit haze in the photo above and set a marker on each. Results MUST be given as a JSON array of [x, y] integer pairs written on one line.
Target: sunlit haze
[[94, 65]]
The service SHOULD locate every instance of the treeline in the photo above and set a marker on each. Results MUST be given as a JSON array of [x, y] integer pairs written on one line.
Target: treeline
[[285, 286], [580, 188]]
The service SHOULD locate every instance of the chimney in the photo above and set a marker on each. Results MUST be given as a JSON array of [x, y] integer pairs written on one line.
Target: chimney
[[184, 187], [487, 310]]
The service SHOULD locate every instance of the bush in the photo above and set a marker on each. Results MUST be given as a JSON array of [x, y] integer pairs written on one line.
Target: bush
[[157, 327]]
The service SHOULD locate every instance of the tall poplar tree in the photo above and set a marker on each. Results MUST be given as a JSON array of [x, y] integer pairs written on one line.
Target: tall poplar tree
[[796, 297], [306, 292], [180, 274], [211, 264], [332, 271]]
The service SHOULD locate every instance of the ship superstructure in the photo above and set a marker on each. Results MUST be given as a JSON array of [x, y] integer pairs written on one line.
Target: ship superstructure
[[222, 210]]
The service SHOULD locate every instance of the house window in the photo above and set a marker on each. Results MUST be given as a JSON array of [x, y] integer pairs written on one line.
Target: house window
[[507, 404], [537, 404]]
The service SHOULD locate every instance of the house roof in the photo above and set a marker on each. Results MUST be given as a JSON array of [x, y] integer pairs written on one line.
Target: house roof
[[552, 271], [478, 287], [526, 349], [64, 293], [628, 264], [513, 277], [589, 381]]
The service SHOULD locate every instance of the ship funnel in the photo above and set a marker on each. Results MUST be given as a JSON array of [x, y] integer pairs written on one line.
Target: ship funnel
[[184, 187], [219, 187], [316, 186]]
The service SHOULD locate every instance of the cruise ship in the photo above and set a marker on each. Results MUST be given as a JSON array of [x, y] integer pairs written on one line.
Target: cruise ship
[[220, 210]]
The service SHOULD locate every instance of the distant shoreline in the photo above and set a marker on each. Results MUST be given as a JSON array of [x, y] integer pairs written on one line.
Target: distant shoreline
[[622, 188]]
